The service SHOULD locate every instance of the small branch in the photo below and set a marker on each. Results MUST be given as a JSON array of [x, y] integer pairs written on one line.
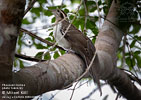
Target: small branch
[[30, 5], [98, 10], [123, 51], [86, 15], [83, 74], [90, 94], [51, 98], [80, 85], [39, 38], [62, 4], [132, 76], [73, 90], [28, 58], [131, 56]]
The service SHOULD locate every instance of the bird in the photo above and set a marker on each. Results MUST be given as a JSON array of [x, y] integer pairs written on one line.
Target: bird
[[70, 38]]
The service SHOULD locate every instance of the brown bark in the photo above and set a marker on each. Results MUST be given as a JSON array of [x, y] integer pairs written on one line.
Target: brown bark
[[50, 75], [11, 13]]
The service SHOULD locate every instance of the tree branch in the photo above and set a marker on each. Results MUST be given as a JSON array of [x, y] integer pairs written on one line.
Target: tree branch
[[58, 73], [39, 38], [28, 58], [30, 5]]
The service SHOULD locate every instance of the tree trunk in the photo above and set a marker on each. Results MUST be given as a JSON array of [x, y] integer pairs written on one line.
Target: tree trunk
[[11, 13]]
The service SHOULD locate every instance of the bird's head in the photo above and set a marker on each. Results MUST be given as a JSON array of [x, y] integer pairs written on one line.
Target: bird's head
[[59, 14]]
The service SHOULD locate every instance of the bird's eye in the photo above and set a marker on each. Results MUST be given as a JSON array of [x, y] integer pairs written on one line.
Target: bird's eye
[[58, 10]]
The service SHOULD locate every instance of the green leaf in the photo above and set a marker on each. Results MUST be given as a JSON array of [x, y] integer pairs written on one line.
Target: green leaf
[[53, 20], [42, 1], [51, 34], [138, 58], [56, 55], [47, 13], [25, 21], [89, 3], [130, 62], [49, 39], [92, 26], [36, 11], [66, 11], [93, 40], [62, 52], [136, 29], [71, 17], [132, 44], [40, 46], [39, 55], [79, 22], [82, 11], [127, 54], [92, 9], [137, 55], [21, 64], [15, 63], [47, 56]]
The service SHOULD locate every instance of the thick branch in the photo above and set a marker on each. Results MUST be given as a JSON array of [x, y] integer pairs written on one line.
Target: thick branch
[[107, 44], [50, 75]]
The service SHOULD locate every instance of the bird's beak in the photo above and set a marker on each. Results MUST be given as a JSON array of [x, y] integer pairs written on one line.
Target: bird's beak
[[51, 10]]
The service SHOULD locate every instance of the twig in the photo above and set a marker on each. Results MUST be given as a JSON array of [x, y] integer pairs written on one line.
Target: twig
[[39, 38], [86, 71], [28, 58], [117, 96], [62, 4], [123, 51], [73, 91], [98, 12], [81, 85], [51, 98], [88, 68], [92, 92], [30, 5], [132, 76], [40, 97], [131, 54], [86, 15]]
